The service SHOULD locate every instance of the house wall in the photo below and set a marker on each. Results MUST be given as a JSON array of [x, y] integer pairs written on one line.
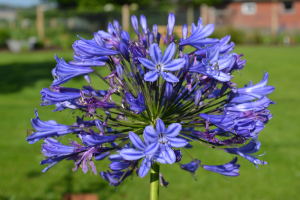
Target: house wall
[[263, 16]]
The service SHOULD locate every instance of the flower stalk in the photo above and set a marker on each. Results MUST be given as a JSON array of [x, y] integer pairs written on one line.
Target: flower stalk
[[154, 181]]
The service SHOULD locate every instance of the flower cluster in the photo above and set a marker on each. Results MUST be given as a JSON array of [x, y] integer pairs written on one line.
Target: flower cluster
[[168, 101]]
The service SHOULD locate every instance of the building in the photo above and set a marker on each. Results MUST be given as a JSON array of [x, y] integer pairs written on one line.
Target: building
[[273, 15]]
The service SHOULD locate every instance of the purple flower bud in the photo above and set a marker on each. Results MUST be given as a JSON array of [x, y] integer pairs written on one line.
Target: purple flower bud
[[135, 24], [124, 51], [171, 23], [169, 90], [198, 96], [110, 28], [155, 30], [184, 31], [178, 155], [191, 167], [143, 22], [117, 166], [186, 66], [117, 27], [87, 78], [125, 36], [151, 38], [120, 71], [99, 125], [101, 156]]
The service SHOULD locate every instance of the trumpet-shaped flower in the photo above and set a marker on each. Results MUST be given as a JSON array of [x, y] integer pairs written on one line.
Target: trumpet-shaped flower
[[160, 65]]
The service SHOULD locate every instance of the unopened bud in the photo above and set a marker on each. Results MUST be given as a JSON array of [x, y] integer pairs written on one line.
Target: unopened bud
[[143, 22], [117, 27], [88, 79], [125, 36], [198, 96], [119, 69], [151, 38], [171, 23], [99, 125], [135, 24], [186, 66], [184, 31], [124, 51], [169, 90]]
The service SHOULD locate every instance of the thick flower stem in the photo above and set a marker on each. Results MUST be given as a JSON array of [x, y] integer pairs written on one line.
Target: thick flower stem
[[154, 181]]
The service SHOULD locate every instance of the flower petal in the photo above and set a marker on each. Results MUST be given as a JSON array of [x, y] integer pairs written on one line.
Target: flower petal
[[150, 134], [174, 64], [155, 53], [159, 158], [169, 53], [152, 148], [178, 142], [147, 63], [169, 77], [168, 155], [151, 76], [131, 154], [136, 141], [173, 130], [160, 126], [145, 167]]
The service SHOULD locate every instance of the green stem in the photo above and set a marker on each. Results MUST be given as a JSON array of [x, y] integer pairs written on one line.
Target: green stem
[[154, 181]]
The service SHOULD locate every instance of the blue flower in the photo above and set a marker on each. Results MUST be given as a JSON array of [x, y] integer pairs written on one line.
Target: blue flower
[[63, 71], [199, 34], [212, 66], [94, 139], [252, 147], [252, 92], [224, 47], [161, 64], [46, 129], [164, 139], [228, 169], [136, 105], [50, 97], [91, 48], [244, 123], [191, 167], [56, 152], [133, 154]]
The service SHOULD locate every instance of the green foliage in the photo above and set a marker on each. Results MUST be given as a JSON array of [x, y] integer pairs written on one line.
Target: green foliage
[[4, 35]]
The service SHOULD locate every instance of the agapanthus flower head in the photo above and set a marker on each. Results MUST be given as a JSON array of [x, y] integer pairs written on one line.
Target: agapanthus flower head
[[155, 105]]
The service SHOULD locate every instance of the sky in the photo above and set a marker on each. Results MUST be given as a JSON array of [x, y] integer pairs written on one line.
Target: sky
[[20, 3]]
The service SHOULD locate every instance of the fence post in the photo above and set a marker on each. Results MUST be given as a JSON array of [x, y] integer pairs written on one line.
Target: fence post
[[40, 22], [211, 15], [125, 17], [190, 14], [204, 13]]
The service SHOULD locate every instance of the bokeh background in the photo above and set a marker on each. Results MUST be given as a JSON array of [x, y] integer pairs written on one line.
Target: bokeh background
[[33, 31]]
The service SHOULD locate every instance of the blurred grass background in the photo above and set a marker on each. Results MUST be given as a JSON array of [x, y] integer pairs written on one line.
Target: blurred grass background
[[25, 74]]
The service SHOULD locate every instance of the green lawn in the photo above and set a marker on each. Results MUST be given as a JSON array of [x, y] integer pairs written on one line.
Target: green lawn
[[23, 76]]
